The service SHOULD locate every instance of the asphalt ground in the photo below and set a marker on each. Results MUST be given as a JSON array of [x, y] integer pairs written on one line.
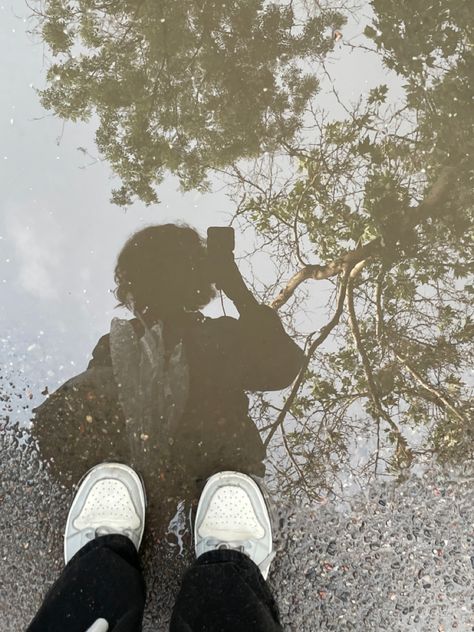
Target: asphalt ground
[[399, 557]]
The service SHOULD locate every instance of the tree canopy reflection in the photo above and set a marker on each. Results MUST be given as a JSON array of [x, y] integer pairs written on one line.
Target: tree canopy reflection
[[181, 86], [378, 200]]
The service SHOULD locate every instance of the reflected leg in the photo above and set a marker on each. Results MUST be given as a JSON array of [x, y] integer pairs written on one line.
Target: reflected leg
[[103, 580], [224, 591]]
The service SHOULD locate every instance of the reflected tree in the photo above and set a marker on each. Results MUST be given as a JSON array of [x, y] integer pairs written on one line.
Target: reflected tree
[[367, 213], [182, 87], [379, 208]]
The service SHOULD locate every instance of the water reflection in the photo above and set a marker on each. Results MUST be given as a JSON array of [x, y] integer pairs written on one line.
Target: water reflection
[[181, 86], [365, 199], [164, 391]]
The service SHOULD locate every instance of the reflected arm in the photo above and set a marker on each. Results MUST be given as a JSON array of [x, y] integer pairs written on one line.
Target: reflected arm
[[269, 359]]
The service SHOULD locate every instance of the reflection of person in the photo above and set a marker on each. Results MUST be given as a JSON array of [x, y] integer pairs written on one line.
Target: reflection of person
[[164, 274], [102, 588]]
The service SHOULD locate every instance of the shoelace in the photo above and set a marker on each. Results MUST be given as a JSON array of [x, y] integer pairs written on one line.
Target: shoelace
[[108, 531], [242, 546]]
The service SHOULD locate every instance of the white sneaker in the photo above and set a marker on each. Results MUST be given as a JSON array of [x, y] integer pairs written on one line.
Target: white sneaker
[[232, 514], [110, 499]]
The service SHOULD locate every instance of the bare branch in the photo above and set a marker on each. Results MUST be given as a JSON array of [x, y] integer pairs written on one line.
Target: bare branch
[[320, 272], [380, 413], [439, 397], [324, 333]]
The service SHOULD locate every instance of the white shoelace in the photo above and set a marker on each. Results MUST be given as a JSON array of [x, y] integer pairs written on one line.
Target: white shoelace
[[108, 531], [244, 547]]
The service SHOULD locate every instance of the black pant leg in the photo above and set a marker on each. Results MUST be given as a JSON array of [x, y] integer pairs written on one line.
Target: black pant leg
[[224, 591], [103, 580]]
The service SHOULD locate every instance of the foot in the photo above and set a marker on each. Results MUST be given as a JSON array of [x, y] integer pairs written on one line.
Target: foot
[[232, 514], [110, 499]]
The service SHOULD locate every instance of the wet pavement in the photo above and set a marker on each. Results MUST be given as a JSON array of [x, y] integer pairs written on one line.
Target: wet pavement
[[400, 558]]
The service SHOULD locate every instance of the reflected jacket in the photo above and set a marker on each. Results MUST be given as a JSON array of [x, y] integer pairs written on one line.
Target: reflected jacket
[[226, 357]]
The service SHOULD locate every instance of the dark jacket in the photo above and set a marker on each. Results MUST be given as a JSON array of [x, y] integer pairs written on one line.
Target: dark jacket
[[82, 422]]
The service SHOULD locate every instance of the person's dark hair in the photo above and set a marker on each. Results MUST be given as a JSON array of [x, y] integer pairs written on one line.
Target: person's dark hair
[[162, 269]]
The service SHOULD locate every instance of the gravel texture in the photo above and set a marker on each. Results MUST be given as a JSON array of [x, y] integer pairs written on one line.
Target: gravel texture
[[399, 558]]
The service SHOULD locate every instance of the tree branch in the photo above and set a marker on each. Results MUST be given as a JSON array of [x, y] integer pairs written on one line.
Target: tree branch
[[439, 397], [294, 461], [324, 333], [412, 218], [320, 272], [378, 303], [380, 332], [380, 413]]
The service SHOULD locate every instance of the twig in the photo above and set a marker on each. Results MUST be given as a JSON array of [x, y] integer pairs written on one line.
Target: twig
[[324, 333], [379, 411], [428, 387], [412, 218]]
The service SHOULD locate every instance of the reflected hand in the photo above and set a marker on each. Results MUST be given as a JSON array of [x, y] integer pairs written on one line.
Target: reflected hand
[[228, 279]]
